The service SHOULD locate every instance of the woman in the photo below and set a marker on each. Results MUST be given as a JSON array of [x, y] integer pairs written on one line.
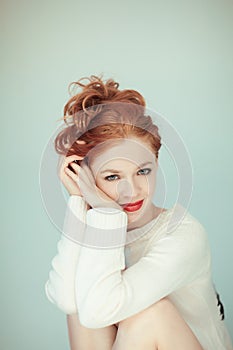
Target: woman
[[123, 280]]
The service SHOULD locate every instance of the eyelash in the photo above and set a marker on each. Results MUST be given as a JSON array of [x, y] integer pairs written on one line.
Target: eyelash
[[109, 176]]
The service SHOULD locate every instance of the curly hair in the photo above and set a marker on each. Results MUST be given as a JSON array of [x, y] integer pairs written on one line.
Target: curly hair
[[100, 112]]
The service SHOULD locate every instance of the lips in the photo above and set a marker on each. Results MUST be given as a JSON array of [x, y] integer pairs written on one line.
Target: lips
[[133, 206]]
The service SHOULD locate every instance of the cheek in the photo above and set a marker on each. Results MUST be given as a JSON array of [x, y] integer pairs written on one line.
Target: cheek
[[151, 182], [110, 188]]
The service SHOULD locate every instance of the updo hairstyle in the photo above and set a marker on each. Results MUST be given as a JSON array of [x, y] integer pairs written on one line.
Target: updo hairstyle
[[100, 112]]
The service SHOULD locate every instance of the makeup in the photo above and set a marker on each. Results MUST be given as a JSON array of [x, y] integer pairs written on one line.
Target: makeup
[[131, 207]]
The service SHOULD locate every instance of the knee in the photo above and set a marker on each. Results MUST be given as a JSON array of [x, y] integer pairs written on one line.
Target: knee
[[162, 305], [145, 317]]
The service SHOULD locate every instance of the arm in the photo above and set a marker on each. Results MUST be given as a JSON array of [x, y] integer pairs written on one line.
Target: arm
[[107, 294], [59, 288]]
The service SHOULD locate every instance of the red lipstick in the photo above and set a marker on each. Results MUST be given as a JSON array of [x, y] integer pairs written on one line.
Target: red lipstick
[[130, 207]]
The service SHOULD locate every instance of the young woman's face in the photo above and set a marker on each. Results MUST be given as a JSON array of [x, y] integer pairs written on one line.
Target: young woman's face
[[126, 172]]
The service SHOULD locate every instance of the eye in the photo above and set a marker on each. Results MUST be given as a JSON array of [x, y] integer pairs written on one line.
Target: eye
[[145, 171], [110, 177]]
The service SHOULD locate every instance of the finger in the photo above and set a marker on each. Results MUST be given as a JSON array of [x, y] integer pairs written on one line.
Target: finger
[[88, 172], [84, 179], [88, 178], [70, 159], [72, 175], [64, 162], [77, 168]]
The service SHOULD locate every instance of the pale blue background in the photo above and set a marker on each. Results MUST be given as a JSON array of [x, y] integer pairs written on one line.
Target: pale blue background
[[179, 55]]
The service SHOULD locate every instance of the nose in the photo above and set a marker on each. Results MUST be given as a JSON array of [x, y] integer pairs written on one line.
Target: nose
[[128, 190]]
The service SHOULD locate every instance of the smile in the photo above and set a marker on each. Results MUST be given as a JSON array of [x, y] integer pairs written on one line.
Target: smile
[[130, 207]]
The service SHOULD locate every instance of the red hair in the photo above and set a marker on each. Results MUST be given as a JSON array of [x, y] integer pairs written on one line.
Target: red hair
[[102, 112]]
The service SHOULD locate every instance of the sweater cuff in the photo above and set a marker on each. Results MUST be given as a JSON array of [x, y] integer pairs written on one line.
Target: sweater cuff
[[106, 228], [106, 218], [78, 205]]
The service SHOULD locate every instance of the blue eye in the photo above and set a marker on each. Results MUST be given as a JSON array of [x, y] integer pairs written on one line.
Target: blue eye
[[110, 177], [145, 171]]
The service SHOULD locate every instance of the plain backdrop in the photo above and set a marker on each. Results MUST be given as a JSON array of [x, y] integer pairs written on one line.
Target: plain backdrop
[[179, 55]]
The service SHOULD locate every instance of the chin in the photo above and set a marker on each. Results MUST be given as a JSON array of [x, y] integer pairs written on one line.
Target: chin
[[135, 215]]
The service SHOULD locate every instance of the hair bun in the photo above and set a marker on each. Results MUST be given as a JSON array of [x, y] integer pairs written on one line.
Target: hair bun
[[94, 93]]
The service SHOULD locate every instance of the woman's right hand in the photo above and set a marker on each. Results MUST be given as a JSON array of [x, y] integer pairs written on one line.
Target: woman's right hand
[[71, 185]]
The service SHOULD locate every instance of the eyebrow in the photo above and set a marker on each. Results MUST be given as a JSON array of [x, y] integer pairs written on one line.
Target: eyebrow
[[118, 172]]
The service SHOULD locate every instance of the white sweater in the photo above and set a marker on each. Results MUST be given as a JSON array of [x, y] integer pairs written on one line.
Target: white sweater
[[105, 286]]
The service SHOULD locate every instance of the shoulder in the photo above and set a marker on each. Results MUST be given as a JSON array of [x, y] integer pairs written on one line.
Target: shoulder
[[178, 220], [182, 244], [185, 229]]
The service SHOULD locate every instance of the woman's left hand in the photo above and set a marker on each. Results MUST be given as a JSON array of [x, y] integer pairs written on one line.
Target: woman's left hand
[[92, 194]]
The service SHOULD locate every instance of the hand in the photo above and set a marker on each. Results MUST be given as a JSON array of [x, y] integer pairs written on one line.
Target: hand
[[65, 174], [93, 195]]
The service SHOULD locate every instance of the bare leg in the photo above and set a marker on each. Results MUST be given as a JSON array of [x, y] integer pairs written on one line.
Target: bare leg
[[82, 338], [159, 327]]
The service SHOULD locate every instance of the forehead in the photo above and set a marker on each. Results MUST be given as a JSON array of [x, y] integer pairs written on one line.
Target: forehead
[[127, 150]]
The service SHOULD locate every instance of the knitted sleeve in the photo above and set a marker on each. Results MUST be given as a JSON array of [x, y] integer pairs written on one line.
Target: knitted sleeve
[[60, 288]]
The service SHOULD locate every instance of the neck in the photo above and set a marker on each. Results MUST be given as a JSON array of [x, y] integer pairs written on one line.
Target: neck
[[151, 213]]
